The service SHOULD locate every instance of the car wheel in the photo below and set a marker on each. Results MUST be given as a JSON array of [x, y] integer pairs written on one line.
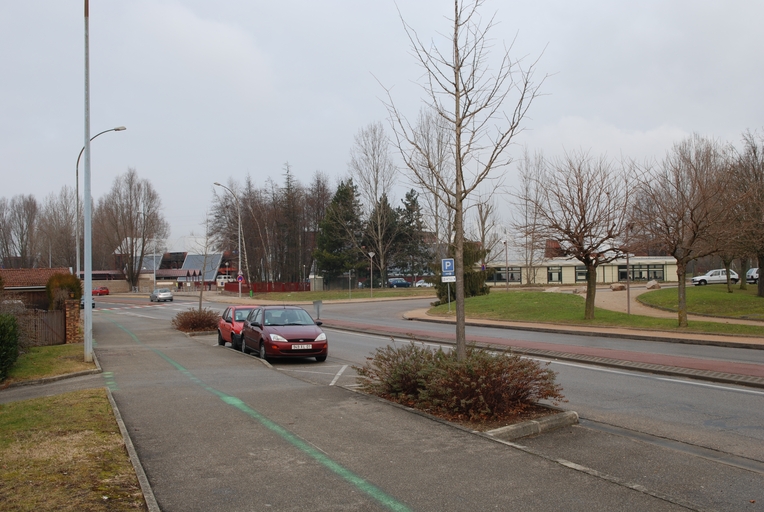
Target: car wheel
[[221, 341], [263, 355], [244, 347], [320, 359], [234, 343], [734, 281], [170, 300], [702, 283]]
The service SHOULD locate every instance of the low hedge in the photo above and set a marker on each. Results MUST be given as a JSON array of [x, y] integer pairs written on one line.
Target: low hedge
[[9, 344]]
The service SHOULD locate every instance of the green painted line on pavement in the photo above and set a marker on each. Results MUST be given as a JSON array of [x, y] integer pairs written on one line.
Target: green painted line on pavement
[[360, 483]]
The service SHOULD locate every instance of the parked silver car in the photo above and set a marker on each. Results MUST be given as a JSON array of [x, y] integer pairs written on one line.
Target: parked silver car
[[752, 276], [714, 277], [161, 295]]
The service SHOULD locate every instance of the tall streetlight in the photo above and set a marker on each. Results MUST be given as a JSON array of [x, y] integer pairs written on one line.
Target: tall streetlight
[[77, 191], [371, 274], [238, 209]]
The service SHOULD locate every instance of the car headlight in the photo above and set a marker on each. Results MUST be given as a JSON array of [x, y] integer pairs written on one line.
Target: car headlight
[[276, 337], [321, 337]]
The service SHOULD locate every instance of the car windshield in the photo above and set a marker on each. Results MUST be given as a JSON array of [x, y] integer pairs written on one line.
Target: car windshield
[[287, 317], [241, 314]]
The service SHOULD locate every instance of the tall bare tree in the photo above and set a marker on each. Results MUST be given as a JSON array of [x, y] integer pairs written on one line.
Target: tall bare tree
[[486, 224], [581, 202], [57, 222], [19, 238], [749, 170], [471, 98], [130, 216], [679, 205], [524, 233], [372, 169]]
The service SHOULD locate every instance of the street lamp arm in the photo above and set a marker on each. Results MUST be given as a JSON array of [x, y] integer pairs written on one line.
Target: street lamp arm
[[117, 129]]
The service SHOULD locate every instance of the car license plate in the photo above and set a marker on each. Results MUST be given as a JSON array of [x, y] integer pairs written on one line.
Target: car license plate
[[302, 347]]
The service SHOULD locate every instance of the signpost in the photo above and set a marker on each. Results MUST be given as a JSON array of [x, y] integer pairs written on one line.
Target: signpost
[[448, 275]]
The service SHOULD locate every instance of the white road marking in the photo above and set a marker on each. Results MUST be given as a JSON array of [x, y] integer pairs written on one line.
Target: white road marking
[[339, 373]]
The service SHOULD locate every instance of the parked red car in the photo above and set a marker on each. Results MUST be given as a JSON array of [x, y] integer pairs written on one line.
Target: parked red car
[[283, 331], [101, 290], [231, 323]]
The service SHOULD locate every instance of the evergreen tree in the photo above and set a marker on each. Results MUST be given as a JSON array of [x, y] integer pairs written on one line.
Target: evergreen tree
[[337, 248]]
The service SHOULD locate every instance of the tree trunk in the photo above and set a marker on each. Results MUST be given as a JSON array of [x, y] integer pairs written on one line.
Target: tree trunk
[[591, 291], [681, 269], [760, 287]]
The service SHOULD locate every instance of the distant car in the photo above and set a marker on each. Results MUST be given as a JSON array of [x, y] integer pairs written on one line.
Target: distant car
[[161, 295], [423, 284], [752, 276], [398, 282], [231, 323], [82, 302], [283, 331], [715, 277], [101, 290]]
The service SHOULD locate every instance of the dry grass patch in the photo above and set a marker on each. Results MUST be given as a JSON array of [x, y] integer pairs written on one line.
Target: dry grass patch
[[49, 361], [65, 453]]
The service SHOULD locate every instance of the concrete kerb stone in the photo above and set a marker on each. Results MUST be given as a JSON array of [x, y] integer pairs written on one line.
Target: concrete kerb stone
[[535, 427], [143, 481]]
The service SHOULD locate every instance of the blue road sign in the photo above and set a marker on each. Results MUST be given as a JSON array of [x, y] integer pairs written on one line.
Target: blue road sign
[[447, 266]]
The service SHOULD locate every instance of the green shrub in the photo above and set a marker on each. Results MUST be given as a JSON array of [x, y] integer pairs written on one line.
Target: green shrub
[[9, 344], [61, 287], [195, 320], [484, 386]]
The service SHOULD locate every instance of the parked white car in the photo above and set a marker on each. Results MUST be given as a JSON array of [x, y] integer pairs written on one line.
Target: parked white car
[[423, 284], [752, 276], [715, 277]]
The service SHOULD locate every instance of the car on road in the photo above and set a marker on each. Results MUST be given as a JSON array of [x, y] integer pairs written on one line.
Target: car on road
[[716, 276], [101, 290], [423, 284], [398, 282], [82, 302], [283, 331], [752, 276], [231, 323], [161, 295]]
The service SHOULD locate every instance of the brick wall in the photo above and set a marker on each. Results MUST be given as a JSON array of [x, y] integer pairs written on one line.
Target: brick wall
[[74, 327]]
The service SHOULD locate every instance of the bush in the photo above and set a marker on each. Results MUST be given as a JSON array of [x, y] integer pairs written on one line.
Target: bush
[[9, 344], [484, 386], [61, 287], [195, 320]]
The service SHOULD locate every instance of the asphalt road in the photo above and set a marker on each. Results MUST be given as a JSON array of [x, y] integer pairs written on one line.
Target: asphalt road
[[687, 443]]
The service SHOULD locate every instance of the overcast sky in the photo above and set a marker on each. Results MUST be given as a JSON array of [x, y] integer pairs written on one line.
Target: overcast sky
[[215, 90]]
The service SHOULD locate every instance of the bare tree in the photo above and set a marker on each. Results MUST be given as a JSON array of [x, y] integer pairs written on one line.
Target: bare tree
[[679, 205], [470, 98], [529, 241], [18, 231], [129, 216], [485, 227], [57, 222], [749, 170], [581, 203], [373, 171]]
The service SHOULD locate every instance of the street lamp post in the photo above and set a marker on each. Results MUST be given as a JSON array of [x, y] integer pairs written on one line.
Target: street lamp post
[[77, 196], [371, 274], [238, 209]]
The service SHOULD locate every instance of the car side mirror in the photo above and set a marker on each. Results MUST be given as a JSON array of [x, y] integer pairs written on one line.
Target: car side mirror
[[319, 323]]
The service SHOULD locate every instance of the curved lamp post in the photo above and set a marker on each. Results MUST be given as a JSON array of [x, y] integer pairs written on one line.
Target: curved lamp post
[[77, 194], [238, 209]]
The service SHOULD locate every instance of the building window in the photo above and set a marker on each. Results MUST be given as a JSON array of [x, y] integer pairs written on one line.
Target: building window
[[581, 274], [554, 274], [656, 272]]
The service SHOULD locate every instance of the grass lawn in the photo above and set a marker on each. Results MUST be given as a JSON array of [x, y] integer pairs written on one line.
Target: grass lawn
[[48, 362], [711, 300], [65, 453], [568, 309]]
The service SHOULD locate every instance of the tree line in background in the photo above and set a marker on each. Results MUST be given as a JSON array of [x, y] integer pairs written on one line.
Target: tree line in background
[[704, 198]]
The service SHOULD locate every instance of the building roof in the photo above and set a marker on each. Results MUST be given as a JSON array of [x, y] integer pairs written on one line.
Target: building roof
[[195, 262], [16, 278]]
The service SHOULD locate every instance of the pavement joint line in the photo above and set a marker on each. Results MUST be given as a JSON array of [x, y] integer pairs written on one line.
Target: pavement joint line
[[706, 375]]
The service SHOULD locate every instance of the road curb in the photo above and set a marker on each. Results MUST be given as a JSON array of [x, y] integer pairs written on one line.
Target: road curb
[[535, 427], [143, 481]]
